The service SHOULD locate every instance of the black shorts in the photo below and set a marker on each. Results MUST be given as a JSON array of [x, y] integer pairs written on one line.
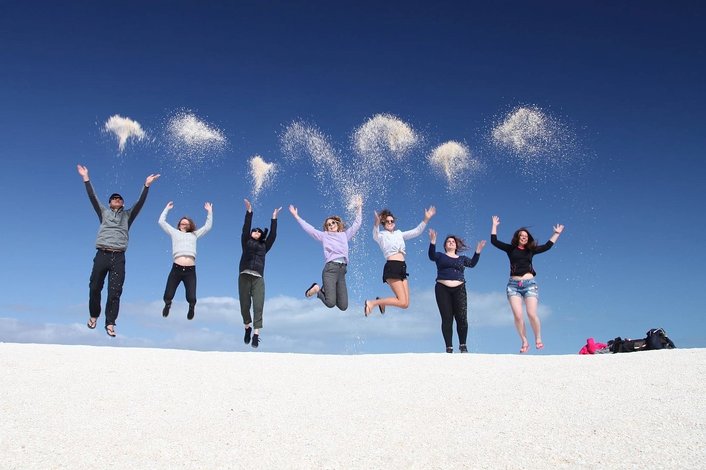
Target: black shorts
[[394, 270]]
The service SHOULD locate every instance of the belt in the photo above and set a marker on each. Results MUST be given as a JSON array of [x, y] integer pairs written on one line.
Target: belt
[[108, 250]]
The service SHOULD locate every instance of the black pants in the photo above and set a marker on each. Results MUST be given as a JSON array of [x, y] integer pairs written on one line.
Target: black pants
[[452, 303], [179, 274], [105, 262]]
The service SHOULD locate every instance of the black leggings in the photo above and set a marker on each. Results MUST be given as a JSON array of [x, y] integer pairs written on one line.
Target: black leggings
[[178, 274], [452, 305]]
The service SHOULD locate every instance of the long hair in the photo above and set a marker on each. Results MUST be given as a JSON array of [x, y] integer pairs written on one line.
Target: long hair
[[339, 223], [531, 243], [460, 243], [192, 225]]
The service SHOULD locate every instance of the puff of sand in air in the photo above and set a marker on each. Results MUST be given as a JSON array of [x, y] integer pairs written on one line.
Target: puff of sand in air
[[301, 139], [526, 131], [188, 135], [384, 134], [261, 173], [124, 128], [453, 161]]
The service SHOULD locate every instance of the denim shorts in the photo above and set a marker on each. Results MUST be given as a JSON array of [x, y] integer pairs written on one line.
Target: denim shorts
[[522, 287]]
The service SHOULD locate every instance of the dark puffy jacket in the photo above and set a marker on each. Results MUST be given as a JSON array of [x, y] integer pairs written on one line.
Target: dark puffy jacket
[[254, 251]]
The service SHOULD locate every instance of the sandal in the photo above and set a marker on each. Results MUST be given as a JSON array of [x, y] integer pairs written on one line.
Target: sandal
[[306, 292], [539, 344], [110, 329], [367, 308], [381, 307], [524, 348], [92, 323]]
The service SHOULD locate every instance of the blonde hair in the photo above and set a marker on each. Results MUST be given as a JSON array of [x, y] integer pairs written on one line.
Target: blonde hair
[[339, 222]]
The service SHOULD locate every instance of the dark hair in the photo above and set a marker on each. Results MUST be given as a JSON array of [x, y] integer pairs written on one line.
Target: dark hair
[[531, 243], [384, 214], [338, 220], [263, 233], [460, 243], [192, 225]]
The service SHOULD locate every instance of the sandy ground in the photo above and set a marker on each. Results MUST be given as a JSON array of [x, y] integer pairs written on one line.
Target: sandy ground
[[97, 407]]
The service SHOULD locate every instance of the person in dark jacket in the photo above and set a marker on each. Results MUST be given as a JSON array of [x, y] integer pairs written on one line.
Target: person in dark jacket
[[111, 244], [256, 243], [522, 287]]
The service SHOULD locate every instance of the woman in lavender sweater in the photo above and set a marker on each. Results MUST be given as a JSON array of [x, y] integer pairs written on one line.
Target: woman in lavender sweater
[[334, 238]]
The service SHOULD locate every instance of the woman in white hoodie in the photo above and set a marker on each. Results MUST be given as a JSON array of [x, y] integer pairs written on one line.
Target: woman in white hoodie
[[184, 238]]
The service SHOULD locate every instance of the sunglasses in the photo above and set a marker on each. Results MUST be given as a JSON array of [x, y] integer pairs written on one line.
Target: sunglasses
[[389, 221]]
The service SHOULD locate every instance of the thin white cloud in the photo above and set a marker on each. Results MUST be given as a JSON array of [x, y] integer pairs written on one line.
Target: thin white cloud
[[290, 325]]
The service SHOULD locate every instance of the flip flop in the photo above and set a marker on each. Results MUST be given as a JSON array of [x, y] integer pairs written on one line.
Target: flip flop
[[92, 323], [524, 348], [306, 292], [366, 309], [380, 307], [110, 329], [539, 345]]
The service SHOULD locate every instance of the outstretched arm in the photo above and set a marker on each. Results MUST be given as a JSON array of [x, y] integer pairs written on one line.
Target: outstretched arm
[[162, 221], [494, 236], [416, 231], [432, 244], [209, 221], [315, 234], [83, 171]]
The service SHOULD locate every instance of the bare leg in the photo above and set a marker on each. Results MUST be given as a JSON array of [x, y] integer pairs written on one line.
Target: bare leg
[[401, 299], [532, 303], [516, 306]]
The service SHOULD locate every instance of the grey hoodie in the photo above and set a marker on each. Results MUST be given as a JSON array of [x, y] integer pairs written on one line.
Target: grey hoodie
[[113, 231]]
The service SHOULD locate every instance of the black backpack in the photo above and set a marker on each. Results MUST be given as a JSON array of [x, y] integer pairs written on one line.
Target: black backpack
[[657, 339], [620, 345]]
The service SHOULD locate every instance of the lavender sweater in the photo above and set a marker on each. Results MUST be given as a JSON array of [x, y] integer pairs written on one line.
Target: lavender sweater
[[335, 243]]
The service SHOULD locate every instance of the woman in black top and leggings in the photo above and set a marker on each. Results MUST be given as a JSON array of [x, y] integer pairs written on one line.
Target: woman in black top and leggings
[[450, 289], [522, 285]]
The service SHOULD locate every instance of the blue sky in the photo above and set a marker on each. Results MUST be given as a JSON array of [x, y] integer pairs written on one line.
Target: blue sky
[[620, 82]]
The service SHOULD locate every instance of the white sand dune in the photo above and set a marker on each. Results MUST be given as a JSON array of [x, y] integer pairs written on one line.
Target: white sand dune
[[92, 407]]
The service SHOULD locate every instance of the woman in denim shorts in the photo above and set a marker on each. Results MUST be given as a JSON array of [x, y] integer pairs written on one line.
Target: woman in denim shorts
[[522, 285]]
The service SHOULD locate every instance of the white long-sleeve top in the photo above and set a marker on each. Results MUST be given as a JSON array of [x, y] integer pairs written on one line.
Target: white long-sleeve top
[[393, 242], [184, 243]]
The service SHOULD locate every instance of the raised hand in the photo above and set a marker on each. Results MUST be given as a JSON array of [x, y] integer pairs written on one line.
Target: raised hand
[[479, 246], [293, 210], [275, 212], [208, 206], [429, 213], [83, 171], [169, 205], [558, 228], [248, 206], [432, 236], [151, 179]]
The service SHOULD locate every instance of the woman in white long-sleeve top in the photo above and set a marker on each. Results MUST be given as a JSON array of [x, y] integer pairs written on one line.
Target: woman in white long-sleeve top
[[391, 242], [184, 254]]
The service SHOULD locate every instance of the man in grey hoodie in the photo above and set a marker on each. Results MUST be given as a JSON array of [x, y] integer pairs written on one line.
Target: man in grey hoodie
[[111, 244]]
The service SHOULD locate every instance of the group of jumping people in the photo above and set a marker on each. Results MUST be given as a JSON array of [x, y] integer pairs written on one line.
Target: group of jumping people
[[450, 289]]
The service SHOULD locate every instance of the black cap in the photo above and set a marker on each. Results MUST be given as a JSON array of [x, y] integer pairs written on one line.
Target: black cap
[[114, 196]]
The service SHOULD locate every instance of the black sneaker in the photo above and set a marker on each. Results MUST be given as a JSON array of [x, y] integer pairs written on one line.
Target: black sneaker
[[450, 350], [255, 340], [165, 310], [462, 348], [190, 315], [246, 338]]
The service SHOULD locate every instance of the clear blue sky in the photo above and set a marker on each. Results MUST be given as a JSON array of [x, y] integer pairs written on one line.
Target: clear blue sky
[[624, 79]]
